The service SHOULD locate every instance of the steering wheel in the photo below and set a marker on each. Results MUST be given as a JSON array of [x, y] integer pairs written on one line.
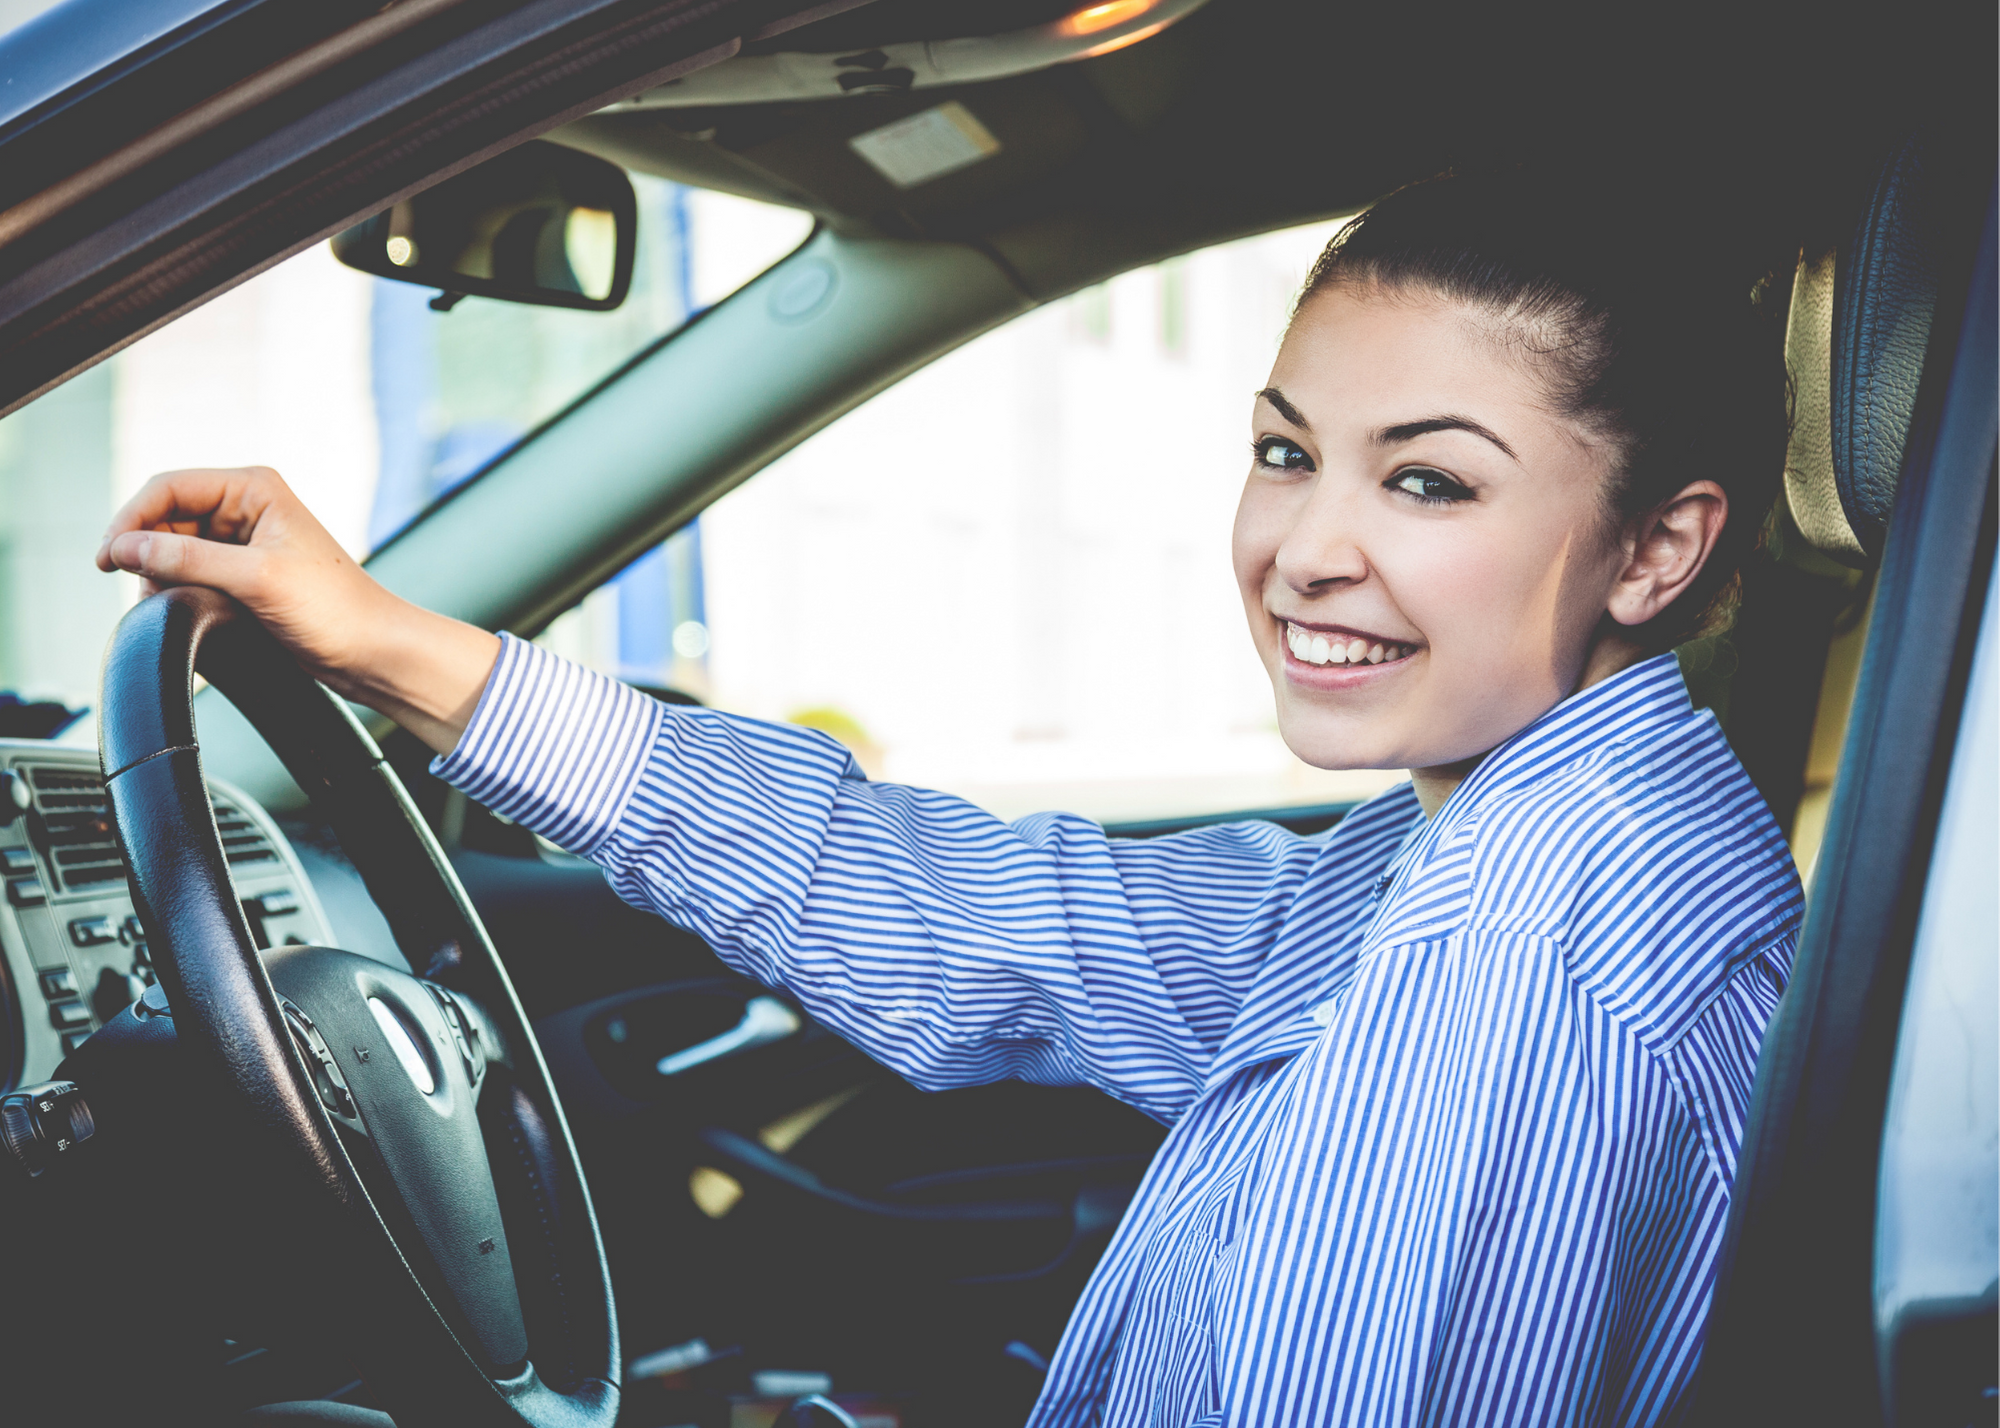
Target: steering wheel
[[436, 1190]]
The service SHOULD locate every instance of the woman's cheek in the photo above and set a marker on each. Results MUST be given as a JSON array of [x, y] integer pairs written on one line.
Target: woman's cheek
[[1253, 539], [1445, 584], [1467, 599], [1264, 515]]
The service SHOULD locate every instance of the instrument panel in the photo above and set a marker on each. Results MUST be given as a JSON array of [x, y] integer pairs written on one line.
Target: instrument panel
[[72, 951]]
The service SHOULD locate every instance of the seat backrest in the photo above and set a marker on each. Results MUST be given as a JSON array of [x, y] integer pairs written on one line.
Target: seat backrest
[[1860, 325], [1794, 1334]]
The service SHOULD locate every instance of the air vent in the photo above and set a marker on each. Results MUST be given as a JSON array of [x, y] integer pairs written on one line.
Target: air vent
[[81, 843], [242, 840], [83, 847]]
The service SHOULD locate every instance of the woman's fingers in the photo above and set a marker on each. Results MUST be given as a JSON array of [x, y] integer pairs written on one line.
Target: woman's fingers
[[225, 505], [244, 533], [164, 559]]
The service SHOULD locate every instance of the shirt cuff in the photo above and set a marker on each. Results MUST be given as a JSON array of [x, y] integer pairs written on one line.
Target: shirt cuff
[[554, 746]]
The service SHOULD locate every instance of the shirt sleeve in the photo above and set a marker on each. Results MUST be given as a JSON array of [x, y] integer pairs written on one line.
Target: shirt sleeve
[[948, 944]]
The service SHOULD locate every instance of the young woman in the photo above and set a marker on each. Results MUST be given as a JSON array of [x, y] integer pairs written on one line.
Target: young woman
[[1456, 1089]]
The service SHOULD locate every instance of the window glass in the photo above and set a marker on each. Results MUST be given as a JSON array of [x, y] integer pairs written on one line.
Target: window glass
[[16, 13], [369, 402], [1009, 575]]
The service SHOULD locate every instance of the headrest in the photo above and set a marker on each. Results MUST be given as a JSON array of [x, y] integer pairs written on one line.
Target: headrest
[[1860, 324]]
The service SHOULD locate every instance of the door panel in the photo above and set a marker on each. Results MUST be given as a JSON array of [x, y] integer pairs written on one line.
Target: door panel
[[804, 1203]]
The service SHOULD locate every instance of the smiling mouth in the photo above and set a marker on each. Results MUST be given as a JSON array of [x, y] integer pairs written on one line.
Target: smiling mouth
[[1320, 647]]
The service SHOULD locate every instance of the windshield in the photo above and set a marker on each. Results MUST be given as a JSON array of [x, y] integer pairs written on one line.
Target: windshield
[[371, 405]]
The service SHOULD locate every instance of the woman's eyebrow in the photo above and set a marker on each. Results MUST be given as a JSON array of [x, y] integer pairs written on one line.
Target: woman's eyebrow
[[1410, 430], [1285, 409]]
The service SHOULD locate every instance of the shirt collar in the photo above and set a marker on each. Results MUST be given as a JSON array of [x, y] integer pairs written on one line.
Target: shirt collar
[[1644, 705], [1642, 701], [1631, 706]]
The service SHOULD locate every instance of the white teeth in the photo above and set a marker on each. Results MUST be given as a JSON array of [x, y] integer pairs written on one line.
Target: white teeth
[[1311, 648]]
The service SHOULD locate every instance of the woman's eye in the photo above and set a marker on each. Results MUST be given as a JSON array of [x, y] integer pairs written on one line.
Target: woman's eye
[[1428, 484], [1276, 452]]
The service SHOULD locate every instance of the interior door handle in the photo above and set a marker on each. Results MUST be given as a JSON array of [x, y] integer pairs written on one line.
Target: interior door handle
[[765, 1020]]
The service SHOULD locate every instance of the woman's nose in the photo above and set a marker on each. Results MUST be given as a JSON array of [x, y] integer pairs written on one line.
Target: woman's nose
[[1323, 546]]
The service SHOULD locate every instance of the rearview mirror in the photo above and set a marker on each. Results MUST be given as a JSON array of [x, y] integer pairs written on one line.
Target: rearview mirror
[[538, 224]]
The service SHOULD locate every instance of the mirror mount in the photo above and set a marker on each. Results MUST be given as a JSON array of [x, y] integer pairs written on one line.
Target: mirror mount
[[541, 224]]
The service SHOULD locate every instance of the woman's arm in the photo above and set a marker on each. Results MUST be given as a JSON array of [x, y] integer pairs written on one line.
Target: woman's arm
[[950, 945]]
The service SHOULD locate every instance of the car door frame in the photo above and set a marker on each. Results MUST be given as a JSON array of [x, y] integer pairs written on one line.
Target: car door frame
[[151, 179]]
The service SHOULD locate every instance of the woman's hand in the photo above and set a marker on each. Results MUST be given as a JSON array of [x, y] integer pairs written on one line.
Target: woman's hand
[[244, 533]]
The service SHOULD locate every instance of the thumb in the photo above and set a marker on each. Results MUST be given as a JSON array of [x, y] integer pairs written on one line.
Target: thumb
[[165, 559]]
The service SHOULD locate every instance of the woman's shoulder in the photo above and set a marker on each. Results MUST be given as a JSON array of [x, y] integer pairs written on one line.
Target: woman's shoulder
[[1677, 800], [1655, 864]]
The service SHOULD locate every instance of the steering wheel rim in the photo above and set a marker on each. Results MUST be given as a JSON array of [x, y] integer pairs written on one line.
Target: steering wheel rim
[[436, 1340]]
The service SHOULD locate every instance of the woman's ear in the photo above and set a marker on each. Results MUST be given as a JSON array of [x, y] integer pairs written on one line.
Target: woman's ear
[[1666, 549]]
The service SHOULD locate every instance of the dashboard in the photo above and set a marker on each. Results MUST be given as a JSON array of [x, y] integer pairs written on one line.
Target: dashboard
[[72, 951]]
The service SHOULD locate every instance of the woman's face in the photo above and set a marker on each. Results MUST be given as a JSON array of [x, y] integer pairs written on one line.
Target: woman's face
[[1421, 546]]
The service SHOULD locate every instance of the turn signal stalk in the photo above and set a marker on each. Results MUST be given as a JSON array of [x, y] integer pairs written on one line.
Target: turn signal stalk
[[41, 1124]]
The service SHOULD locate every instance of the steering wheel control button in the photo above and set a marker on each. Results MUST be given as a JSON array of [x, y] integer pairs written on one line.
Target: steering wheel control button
[[17, 860], [26, 892], [92, 931], [73, 1039], [328, 1083], [66, 1016], [464, 1035], [56, 985], [39, 1124], [403, 1044]]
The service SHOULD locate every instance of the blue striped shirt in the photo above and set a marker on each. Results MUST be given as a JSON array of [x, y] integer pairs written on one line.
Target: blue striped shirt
[[1455, 1104]]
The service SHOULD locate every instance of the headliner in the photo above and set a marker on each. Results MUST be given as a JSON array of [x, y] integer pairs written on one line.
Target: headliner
[[1254, 113]]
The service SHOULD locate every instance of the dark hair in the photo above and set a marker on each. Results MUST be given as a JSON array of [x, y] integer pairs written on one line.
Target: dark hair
[[1639, 339]]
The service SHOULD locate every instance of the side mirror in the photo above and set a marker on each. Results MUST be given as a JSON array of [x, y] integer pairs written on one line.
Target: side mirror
[[538, 224]]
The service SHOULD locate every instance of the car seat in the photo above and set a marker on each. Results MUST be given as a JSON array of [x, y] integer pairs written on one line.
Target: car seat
[[1891, 347]]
